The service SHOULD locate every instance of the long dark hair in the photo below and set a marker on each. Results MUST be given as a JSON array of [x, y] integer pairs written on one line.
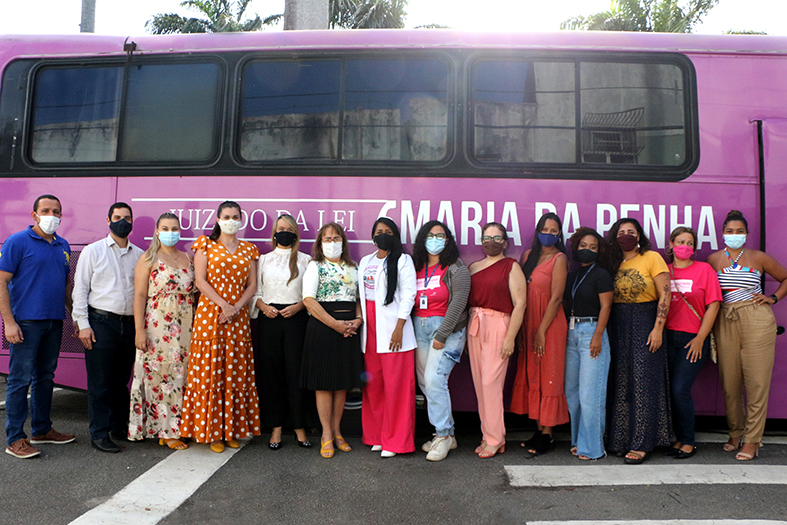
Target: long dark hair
[[603, 248], [448, 256], [214, 235], [616, 254], [535, 248], [317, 254], [392, 261]]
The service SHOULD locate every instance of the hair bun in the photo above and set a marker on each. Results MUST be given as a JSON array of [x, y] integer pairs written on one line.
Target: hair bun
[[734, 214]]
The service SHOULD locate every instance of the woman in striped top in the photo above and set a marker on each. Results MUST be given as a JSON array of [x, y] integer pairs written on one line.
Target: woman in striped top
[[746, 334]]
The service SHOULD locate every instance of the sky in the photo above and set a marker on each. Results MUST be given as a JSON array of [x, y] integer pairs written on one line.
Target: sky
[[123, 17]]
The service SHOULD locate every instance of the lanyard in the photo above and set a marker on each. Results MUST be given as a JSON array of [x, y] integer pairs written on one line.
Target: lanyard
[[429, 277], [576, 285]]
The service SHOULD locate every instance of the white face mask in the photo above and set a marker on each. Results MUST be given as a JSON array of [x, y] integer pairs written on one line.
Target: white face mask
[[48, 223], [332, 250], [229, 226]]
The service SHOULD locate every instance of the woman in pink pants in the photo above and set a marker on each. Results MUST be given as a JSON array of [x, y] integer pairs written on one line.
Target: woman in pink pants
[[498, 296]]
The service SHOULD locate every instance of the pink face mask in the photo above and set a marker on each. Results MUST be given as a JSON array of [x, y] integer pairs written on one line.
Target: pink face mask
[[683, 252]]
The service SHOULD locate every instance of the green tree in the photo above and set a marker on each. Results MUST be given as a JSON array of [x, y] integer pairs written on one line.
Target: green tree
[[661, 16], [367, 14], [219, 16]]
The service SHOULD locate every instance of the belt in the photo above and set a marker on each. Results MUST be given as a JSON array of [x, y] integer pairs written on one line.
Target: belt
[[111, 315], [584, 319]]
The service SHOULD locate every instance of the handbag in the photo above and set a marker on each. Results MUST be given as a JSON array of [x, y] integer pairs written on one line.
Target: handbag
[[713, 353]]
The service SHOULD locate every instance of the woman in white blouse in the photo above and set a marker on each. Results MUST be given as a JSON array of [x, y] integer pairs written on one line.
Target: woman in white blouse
[[332, 360], [281, 330], [387, 296]]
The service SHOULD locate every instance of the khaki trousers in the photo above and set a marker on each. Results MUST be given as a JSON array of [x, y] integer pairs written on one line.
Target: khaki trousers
[[746, 344]]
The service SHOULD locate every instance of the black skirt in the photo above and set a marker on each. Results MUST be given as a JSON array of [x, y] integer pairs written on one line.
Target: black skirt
[[638, 403], [330, 360]]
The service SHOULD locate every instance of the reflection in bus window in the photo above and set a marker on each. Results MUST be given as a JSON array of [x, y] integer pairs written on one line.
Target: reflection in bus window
[[76, 113], [393, 110], [170, 113], [523, 112], [632, 114]]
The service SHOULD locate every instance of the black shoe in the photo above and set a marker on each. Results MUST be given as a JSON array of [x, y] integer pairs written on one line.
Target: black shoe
[[119, 436], [105, 445], [530, 443], [544, 444], [636, 461], [303, 444], [672, 451], [274, 446], [685, 455]]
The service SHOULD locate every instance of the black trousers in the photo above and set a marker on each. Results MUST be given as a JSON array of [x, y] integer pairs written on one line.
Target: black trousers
[[278, 365], [109, 367]]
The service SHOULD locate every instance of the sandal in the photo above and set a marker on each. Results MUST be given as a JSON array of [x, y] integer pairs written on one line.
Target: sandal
[[343, 446], [545, 443], [635, 457], [533, 441], [732, 444], [487, 453], [324, 450], [174, 444], [479, 448], [746, 456]]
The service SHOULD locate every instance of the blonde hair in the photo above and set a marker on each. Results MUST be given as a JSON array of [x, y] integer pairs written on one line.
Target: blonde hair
[[290, 220], [674, 235], [151, 254]]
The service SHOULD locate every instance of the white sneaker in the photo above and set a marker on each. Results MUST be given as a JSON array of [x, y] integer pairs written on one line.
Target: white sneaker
[[377, 448], [427, 447], [440, 447], [387, 454]]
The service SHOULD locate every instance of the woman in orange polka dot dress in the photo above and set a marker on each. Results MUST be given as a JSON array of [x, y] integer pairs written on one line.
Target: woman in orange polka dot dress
[[220, 404]]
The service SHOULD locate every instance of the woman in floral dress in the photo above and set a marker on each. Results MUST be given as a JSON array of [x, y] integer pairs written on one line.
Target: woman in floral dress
[[163, 310], [221, 404]]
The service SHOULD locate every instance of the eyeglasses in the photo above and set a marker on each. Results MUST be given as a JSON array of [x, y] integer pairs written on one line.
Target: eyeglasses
[[440, 236], [332, 239], [489, 238]]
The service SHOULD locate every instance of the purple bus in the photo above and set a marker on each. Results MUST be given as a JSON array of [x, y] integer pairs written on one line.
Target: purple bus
[[417, 125]]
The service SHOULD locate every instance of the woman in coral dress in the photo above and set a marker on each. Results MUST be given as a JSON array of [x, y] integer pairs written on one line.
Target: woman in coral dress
[[163, 310], [538, 388], [221, 403]]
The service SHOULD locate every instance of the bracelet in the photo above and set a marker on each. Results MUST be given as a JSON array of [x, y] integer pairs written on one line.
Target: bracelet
[[775, 299]]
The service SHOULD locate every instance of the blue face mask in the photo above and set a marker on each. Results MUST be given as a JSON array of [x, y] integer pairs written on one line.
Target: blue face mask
[[435, 245], [169, 238], [547, 239], [735, 241]]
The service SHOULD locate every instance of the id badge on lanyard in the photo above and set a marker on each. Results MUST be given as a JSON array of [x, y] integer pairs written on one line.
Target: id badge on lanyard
[[424, 302]]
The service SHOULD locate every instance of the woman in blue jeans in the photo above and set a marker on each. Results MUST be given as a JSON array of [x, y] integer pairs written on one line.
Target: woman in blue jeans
[[696, 298], [440, 322], [588, 302]]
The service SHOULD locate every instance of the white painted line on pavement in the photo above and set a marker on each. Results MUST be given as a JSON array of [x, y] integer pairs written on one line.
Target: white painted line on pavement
[[659, 522], [600, 475], [2, 403], [159, 491]]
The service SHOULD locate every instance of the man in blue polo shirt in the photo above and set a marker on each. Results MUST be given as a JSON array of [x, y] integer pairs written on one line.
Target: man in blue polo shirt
[[34, 295]]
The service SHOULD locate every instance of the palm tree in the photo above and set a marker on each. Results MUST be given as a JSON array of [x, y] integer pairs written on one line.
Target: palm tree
[[661, 16], [220, 16], [367, 14]]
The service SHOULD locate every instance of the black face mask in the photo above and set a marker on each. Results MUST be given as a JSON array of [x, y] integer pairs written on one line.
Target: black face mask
[[285, 238], [585, 256], [121, 228], [384, 241]]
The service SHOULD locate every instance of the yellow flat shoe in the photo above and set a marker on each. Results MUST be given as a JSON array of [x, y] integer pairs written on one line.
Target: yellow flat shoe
[[233, 443], [217, 447], [324, 450], [174, 444]]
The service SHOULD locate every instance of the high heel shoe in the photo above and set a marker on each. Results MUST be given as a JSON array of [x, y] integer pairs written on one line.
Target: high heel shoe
[[746, 456], [479, 448], [732, 444], [486, 453], [324, 450], [303, 444], [544, 444], [344, 447]]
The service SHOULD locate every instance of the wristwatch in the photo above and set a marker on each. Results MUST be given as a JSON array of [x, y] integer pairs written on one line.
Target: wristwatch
[[775, 299]]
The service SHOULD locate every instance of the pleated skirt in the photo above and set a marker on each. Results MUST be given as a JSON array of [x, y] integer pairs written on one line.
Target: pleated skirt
[[330, 360]]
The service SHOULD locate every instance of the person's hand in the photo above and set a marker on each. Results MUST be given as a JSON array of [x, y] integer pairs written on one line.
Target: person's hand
[[695, 349], [13, 334], [141, 340], [289, 311], [87, 337], [228, 311], [654, 340], [595, 346], [269, 311], [437, 345], [351, 327], [396, 339], [540, 343], [508, 348], [758, 298]]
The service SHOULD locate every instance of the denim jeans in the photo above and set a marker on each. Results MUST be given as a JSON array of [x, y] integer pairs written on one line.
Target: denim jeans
[[433, 367], [682, 374], [586, 390], [109, 368], [32, 366]]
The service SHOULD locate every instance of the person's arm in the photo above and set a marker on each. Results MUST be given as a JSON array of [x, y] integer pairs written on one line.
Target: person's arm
[[695, 345], [661, 281], [406, 284], [141, 283], [13, 333], [773, 268], [517, 285], [297, 307], [558, 286], [318, 312], [201, 282], [257, 304], [460, 292], [82, 279], [251, 286], [605, 299]]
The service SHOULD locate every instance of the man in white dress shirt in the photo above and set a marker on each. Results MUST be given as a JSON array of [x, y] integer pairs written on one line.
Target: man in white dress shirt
[[104, 314]]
